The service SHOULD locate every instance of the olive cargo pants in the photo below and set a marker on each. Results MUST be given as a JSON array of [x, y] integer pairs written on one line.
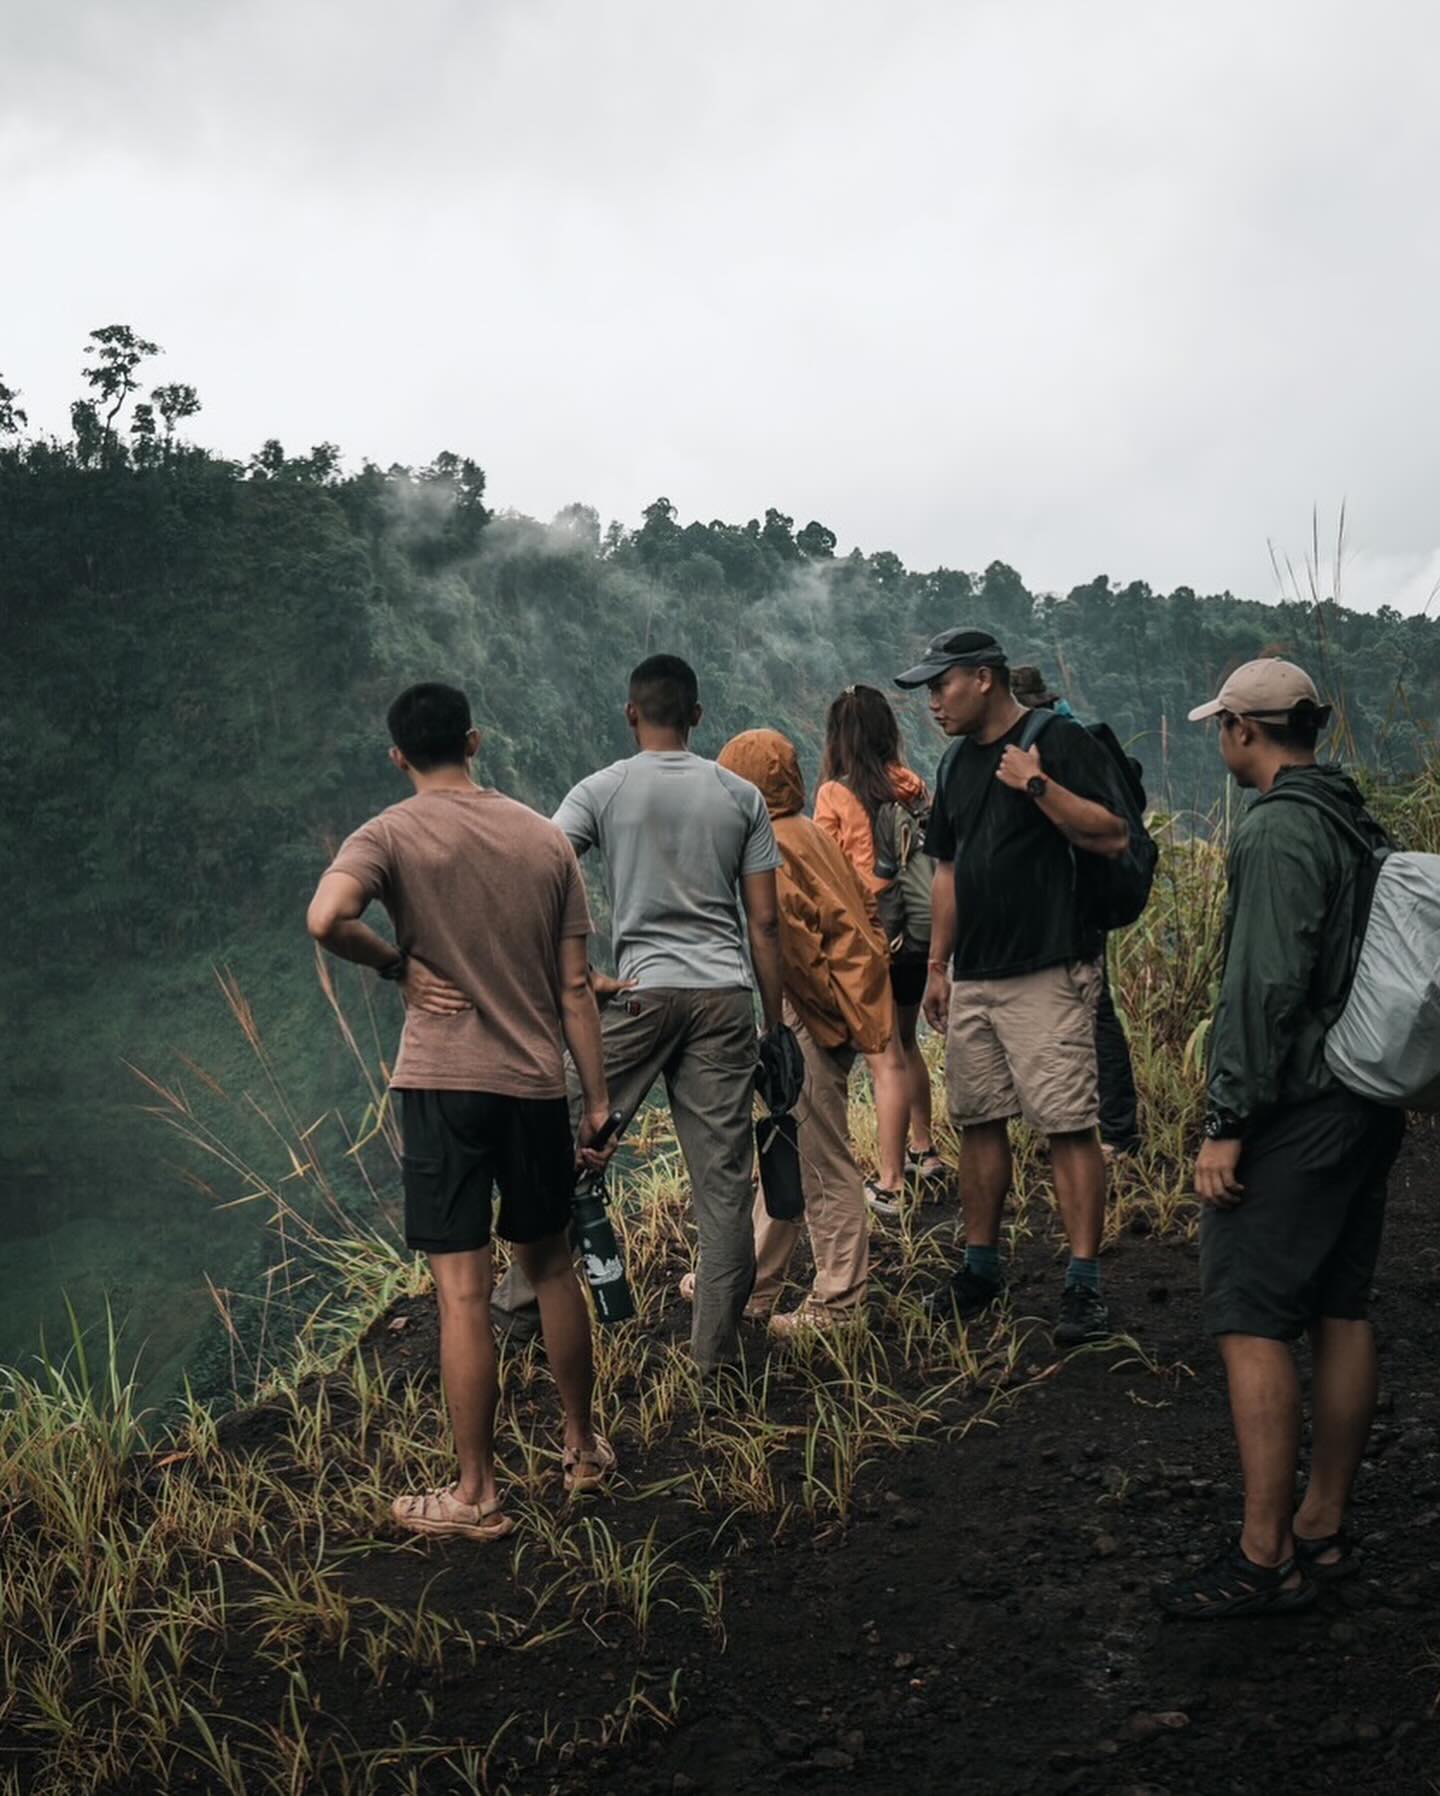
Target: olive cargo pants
[[702, 1043]]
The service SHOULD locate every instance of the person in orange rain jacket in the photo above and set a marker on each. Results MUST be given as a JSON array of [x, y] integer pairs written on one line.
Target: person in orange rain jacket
[[864, 771], [837, 999]]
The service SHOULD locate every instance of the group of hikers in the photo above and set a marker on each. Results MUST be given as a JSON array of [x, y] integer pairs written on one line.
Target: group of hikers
[[981, 905]]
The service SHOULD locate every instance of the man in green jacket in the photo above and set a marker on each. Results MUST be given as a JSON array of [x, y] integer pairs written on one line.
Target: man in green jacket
[[1293, 1170]]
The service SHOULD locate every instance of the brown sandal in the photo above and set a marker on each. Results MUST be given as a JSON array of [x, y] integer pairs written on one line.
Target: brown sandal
[[441, 1512], [588, 1469]]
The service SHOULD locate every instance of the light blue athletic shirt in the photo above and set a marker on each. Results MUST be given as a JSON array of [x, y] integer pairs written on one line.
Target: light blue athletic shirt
[[678, 834]]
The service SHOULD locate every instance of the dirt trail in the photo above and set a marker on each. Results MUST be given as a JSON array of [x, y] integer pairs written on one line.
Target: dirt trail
[[985, 1623]]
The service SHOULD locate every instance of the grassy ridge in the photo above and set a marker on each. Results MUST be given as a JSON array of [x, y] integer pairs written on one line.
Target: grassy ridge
[[217, 1605]]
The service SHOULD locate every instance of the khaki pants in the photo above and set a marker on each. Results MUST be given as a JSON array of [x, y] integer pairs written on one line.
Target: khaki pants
[[702, 1043], [834, 1195]]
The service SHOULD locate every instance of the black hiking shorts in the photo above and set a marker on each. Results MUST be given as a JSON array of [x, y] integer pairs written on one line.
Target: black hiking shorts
[[1303, 1242], [459, 1145]]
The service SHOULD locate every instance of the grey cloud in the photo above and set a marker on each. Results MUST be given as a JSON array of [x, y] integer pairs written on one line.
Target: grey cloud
[[1121, 286]]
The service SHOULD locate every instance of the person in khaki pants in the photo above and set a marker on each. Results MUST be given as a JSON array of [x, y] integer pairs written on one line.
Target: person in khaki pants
[[836, 972]]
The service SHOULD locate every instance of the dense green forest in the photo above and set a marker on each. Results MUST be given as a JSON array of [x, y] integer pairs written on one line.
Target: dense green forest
[[198, 653]]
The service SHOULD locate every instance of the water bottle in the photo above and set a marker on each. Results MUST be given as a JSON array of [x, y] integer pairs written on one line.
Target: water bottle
[[595, 1241]]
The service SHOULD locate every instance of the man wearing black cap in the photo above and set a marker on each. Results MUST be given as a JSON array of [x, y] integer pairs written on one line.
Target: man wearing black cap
[[1019, 1018]]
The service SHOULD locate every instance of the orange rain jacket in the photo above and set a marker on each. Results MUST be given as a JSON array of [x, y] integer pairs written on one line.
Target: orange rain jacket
[[837, 967]]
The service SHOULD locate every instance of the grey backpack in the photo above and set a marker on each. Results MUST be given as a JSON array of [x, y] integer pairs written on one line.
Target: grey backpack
[[904, 904], [1385, 1043]]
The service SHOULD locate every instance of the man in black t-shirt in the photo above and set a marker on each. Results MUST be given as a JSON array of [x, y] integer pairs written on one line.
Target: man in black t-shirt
[[1008, 930]]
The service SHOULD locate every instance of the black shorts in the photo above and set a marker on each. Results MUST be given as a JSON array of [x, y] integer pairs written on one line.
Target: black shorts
[[457, 1145], [909, 975], [1304, 1240]]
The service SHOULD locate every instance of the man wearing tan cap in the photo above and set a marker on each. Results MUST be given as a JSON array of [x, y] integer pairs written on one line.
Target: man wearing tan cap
[[1293, 1170]]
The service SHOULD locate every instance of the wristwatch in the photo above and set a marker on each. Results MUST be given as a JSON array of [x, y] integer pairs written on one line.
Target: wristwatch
[[1037, 786], [1220, 1125], [396, 968]]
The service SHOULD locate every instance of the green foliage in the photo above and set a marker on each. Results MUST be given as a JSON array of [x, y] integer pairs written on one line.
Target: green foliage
[[199, 655]]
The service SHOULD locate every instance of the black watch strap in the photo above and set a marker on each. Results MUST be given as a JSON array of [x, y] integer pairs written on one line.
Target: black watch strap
[[396, 968], [1220, 1125]]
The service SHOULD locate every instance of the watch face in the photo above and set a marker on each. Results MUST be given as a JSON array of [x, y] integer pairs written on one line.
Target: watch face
[[1036, 786]]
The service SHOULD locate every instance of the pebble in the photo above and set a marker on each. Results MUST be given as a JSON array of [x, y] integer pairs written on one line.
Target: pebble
[[1106, 1546], [830, 1758]]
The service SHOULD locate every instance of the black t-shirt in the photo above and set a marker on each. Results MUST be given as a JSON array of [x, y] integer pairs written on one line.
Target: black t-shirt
[[1015, 904]]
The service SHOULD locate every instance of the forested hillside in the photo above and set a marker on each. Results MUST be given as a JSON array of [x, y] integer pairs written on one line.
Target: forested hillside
[[198, 654]]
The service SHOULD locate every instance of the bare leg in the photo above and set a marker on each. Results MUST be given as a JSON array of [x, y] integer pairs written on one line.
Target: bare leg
[[1265, 1410], [1079, 1170], [467, 1366], [1343, 1391], [917, 1076], [892, 1111], [984, 1181], [565, 1324]]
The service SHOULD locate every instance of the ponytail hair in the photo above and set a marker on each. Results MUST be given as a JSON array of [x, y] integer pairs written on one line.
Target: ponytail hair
[[862, 743]]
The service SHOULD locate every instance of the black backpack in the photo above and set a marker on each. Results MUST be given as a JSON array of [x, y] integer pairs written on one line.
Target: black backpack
[[1112, 893]]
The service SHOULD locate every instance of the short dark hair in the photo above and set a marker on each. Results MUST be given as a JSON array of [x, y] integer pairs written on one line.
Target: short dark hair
[[665, 691], [429, 724], [1300, 730]]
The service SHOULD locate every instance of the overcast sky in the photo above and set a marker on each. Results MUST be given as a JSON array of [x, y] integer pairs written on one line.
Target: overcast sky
[[1085, 285]]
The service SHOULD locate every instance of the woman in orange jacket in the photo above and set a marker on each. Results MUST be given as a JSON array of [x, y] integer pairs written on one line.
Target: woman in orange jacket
[[837, 1000], [863, 770]]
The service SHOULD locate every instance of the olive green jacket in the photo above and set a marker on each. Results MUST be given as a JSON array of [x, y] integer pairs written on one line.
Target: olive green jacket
[[1290, 920]]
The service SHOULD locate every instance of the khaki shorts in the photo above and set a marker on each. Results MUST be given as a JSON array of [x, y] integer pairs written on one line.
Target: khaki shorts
[[1025, 1047]]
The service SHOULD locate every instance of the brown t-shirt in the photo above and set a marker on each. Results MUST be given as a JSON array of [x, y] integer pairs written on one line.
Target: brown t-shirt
[[481, 889]]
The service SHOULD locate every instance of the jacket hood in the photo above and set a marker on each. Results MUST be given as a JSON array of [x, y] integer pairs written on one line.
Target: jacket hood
[[1332, 784], [768, 760]]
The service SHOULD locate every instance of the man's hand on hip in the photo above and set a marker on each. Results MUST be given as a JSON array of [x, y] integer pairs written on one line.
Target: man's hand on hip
[[425, 990]]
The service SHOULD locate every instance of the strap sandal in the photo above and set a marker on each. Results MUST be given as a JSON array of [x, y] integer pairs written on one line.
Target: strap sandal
[[588, 1469], [882, 1201], [926, 1165], [1311, 1555], [1232, 1586], [441, 1512]]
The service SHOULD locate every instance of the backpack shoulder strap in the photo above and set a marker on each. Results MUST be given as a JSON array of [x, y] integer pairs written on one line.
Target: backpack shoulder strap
[[1036, 725], [1369, 850]]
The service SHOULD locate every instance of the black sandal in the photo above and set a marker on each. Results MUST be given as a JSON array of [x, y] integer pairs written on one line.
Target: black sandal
[[1308, 1555], [1232, 1586]]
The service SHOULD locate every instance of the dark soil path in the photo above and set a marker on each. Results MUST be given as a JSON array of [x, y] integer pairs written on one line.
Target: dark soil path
[[983, 1624]]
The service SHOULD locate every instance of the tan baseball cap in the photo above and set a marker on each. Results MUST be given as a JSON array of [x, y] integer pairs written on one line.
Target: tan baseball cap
[[1268, 689]]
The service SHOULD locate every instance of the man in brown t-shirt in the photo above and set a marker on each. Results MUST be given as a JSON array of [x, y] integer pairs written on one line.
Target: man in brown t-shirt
[[491, 924]]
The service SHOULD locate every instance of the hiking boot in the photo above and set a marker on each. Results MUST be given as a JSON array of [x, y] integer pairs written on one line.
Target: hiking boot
[[966, 1295], [786, 1324], [1084, 1316], [882, 1201]]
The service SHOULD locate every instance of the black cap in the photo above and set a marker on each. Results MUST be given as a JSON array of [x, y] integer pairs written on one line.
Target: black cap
[[953, 648]]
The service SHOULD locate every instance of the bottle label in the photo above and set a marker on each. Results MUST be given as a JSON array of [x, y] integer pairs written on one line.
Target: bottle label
[[603, 1272]]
